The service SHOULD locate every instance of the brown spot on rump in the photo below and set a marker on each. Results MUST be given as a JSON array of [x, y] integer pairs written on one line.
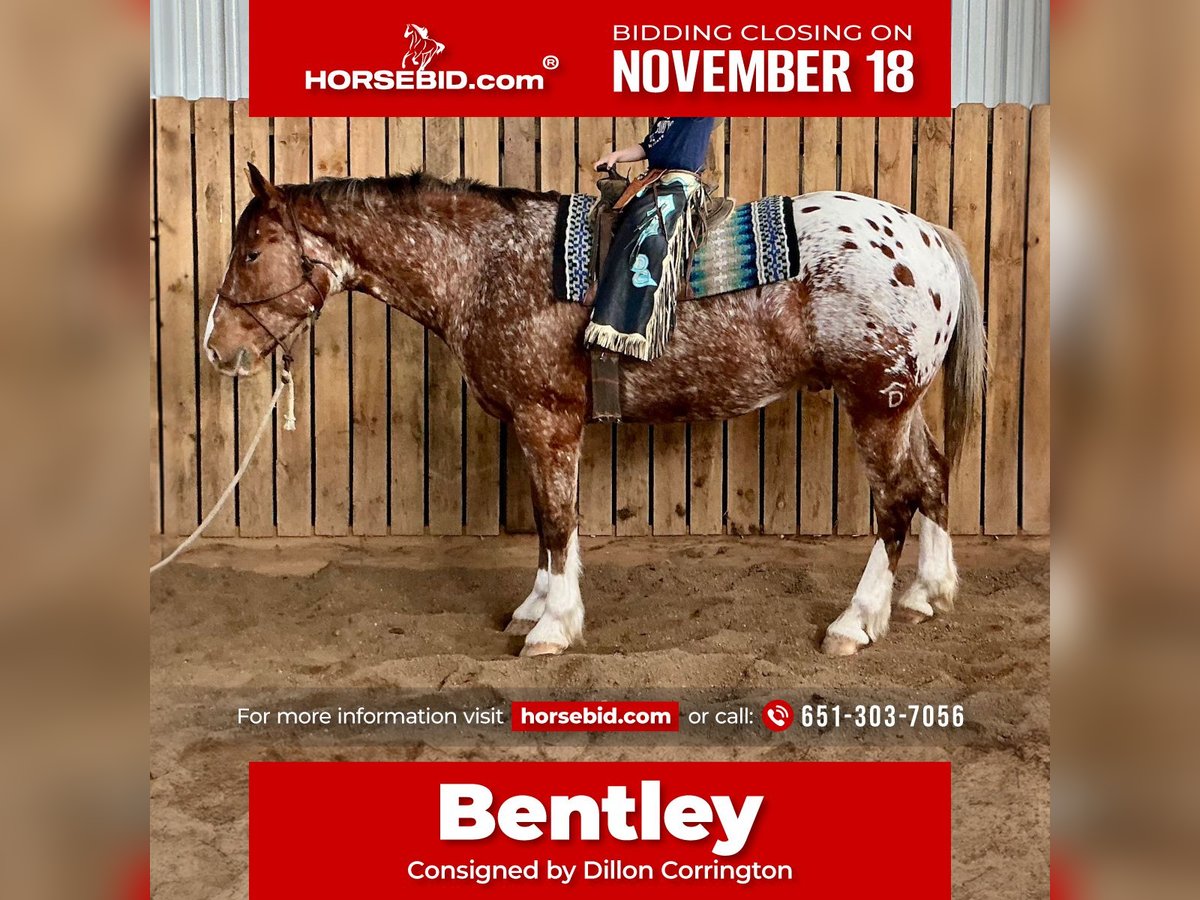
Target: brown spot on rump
[[937, 338], [900, 212], [888, 220], [849, 245], [888, 231], [939, 242], [925, 237], [887, 251], [947, 318], [846, 228], [810, 209], [872, 224], [904, 275], [936, 297], [894, 283], [871, 326], [844, 197]]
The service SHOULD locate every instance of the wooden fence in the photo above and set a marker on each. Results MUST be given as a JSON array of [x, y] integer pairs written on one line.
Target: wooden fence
[[387, 439]]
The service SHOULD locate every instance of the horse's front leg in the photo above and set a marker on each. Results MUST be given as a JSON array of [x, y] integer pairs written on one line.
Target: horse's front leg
[[551, 443], [526, 615]]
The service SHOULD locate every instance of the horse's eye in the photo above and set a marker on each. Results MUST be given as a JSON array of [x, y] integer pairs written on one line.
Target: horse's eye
[[251, 256]]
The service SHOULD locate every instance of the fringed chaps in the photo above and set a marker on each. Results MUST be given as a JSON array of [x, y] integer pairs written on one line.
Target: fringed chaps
[[647, 267]]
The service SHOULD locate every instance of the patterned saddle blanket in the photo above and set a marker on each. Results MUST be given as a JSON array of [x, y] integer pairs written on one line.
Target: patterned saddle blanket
[[755, 246]]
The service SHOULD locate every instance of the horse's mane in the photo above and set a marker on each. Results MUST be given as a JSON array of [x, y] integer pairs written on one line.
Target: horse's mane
[[414, 185]]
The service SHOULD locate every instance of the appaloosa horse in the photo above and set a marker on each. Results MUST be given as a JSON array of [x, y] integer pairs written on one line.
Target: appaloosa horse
[[883, 298]]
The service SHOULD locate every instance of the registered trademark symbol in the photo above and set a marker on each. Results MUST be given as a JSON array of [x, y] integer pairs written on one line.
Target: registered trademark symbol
[[550, 62]]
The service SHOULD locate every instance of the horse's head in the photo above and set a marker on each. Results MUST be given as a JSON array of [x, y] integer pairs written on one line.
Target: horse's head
[[420, 32], [271, 288]]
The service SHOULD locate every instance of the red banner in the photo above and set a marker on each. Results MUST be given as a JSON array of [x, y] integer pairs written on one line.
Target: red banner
[[381, 58], [694, 830]]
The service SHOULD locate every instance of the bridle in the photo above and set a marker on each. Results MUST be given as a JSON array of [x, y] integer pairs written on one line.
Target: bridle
[[307, 265]]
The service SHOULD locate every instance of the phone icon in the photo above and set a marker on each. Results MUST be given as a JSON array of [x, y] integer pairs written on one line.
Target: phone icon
[[778, 715]]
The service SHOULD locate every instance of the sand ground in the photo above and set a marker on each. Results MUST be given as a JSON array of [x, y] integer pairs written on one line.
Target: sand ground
[[311, 622]]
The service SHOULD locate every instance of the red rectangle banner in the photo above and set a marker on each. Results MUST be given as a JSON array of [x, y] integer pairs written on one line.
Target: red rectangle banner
[[381, 58], [618, 715], [694, 830]]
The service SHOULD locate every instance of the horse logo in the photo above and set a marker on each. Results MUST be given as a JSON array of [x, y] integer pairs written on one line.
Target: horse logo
[[421, 47]]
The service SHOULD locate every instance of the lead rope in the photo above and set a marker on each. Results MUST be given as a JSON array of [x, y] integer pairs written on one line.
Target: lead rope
[[289, 424], [289, 417]]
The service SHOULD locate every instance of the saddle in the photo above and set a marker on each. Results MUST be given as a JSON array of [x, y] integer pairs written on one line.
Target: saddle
[[616, 191]]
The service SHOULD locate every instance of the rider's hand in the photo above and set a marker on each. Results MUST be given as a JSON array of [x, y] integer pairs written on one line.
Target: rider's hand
[[607, 161]]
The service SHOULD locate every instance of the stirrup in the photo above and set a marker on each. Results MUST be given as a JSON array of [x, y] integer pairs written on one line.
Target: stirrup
[[606, 386]]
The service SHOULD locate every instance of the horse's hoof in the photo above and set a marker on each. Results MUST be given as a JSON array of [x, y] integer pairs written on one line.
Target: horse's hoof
[[543, 650], [840, 645], [908, 616], [519, 626], [943, 603]]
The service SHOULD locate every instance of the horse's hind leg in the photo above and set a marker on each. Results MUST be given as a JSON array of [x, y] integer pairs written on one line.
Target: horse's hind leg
[[937, 576], [551, 443], [526, 615], [885, 446]]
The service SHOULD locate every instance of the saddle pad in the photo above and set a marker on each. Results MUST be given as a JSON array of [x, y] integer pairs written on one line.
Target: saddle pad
[[573, 239], [755, 246]]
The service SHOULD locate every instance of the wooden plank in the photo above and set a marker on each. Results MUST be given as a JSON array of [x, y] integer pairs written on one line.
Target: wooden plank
[[330, 388], [969, 219], [706, 440], [742, 470], [443, 158], [1035, 424], [781, 418], [1006, 294], [933, 205], [595, 466], [293, 449], [177, 316], [633, 441], [406, 152], [214, 232], [482, 160], [155, 424], [853, 490], [369, 361], [816, 500], [256, 492]]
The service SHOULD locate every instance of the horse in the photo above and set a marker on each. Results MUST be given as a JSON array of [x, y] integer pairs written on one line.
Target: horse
[[421, 48], [883, 300]]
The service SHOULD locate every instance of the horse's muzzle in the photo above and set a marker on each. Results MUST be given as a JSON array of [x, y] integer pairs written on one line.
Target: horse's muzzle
[[242, 363]]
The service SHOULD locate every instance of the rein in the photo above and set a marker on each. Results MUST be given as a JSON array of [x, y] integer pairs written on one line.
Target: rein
[[307, 266]]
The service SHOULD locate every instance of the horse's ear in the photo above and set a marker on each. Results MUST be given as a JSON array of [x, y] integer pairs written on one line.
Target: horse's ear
[[262, 187]]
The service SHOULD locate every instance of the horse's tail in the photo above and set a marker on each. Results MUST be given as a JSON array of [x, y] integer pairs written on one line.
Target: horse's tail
[[966, 357]]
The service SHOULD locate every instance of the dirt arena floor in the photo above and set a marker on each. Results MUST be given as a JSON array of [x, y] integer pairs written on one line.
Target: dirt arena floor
[[323, 622]]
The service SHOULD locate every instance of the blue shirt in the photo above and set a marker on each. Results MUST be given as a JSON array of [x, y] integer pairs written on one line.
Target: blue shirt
[[678, 142]]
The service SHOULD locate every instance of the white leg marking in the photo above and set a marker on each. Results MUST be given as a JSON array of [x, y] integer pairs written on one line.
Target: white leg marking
[[535, 604], [937, 576], [866, 618], [562, 622]]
